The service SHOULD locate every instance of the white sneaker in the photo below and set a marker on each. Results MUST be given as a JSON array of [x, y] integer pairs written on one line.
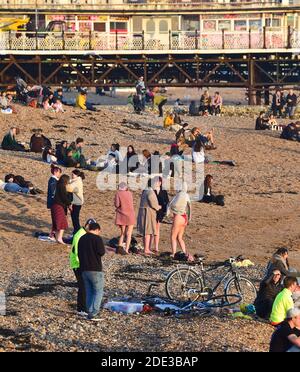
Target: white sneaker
[[95, 319], [82, 314]]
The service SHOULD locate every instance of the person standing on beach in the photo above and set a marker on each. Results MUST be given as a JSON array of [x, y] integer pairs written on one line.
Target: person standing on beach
[[160, 101], [125, 215], [59, 210], [163, 201], [52, 183], [90, 252], [76, 187], [180, 207], [146, 222], [75, 266], [291, 104]]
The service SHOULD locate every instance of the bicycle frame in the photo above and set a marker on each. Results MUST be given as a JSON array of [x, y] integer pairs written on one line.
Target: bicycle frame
[[202, 271]]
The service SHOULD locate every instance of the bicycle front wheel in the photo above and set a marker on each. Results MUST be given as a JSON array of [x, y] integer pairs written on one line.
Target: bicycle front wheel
[[184, 284], [243, 287]]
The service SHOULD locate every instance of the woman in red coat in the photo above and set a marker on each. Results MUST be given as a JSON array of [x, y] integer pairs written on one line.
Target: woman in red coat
[[59, 210], [125, 215]]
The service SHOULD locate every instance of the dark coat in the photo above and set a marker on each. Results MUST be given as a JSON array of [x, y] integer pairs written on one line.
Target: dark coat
[[163, 201], [51, 192], [266, 296]]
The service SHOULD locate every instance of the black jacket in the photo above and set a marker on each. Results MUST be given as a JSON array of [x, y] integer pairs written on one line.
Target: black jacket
[[90, 251], [62, 197], [163, 201], [266, 296], [277, 264]]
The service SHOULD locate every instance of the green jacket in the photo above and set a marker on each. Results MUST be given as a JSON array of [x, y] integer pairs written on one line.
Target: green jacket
[[74, 260], [282, 304], [8, 141]]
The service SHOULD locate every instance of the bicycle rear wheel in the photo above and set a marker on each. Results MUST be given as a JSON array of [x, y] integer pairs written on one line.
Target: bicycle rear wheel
[[184, 284], [243, 287]]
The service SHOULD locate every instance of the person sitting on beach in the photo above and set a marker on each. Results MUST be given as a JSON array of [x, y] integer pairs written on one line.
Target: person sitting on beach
[[208, 196], [69, 161], [61, 152], [198, 155], [207, 138], [57, 105], [48, 155], [38, 141], [280, 261], [272, 121], [261, 122], [268, 290], [205, 104], [115, 150], [173, 163], [176, 108], [283, 301], [46, 104], [193, 109], [180, 138], [287, 335], [217, 103], [81, 102], [169, 120], [9, 141], [131, 159], [6, 103]]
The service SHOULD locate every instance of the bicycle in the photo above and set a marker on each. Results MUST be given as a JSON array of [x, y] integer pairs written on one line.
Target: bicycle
[[189, 284]]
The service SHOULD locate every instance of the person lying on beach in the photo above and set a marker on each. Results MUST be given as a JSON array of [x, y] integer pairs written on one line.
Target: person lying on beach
[[17, 184], [291, 132], [10, 142]]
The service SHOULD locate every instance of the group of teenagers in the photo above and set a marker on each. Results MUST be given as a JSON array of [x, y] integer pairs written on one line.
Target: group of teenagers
[[284, 105]]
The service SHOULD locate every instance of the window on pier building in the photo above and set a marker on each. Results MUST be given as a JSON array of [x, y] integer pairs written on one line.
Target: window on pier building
[[163, 26], [240, 25], [224, 25], [190, 23], [150, 26]]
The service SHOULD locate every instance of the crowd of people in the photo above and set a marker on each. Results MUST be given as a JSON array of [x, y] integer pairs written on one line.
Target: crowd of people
[[278, 298]]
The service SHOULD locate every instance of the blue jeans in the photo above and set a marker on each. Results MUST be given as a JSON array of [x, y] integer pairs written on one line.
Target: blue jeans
[[94, 283], [290, 110], [13, 187]]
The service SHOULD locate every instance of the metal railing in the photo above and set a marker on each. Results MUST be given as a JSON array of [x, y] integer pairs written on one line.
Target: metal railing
[[141, 4], [171, 41]]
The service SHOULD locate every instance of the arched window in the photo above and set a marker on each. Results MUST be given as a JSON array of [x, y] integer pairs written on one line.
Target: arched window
[[163, 26], [150, 26]]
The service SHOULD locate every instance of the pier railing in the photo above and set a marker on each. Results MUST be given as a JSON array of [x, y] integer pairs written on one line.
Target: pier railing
[[87, 5], [130, 42]]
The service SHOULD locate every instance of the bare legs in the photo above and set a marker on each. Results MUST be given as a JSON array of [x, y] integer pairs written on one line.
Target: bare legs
[[156, 238], [147, 241], [126, 232], [59, 237], [177, 232]]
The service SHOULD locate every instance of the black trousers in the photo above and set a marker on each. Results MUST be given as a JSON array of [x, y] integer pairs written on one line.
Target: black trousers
[[160, 107], [81, 296], [75, 218]]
